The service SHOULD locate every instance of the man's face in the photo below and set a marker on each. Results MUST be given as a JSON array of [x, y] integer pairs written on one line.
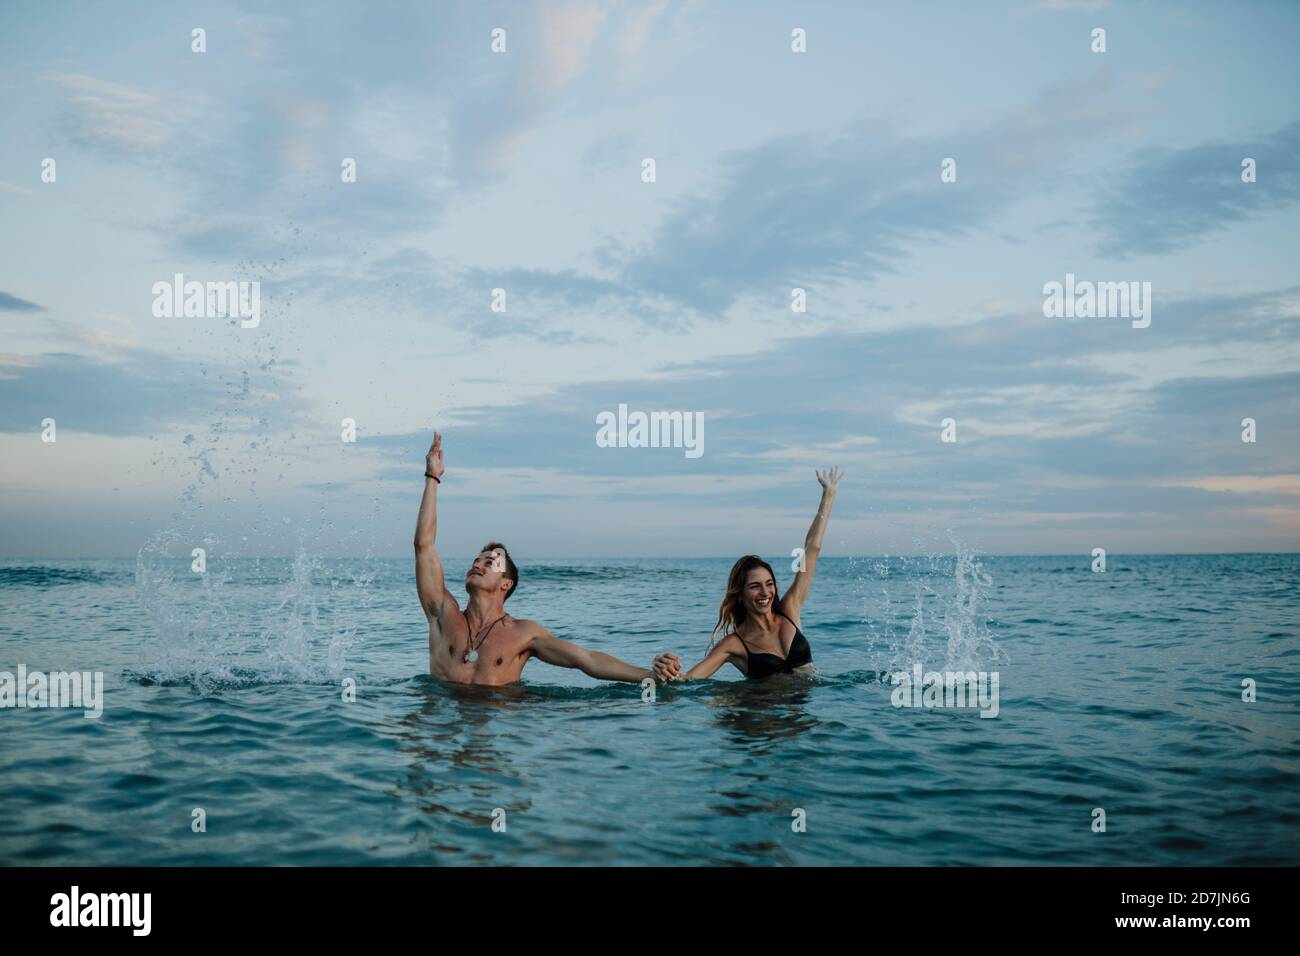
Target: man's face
[[487, 572]]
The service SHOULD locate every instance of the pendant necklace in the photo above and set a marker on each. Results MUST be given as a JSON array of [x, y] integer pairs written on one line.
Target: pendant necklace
[[471, 650]]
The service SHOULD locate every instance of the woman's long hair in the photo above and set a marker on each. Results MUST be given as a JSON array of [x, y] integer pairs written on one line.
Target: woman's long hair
[[732, 613]]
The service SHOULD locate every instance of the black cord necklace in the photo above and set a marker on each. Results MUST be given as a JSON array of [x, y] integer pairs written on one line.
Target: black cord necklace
[[471, 649]]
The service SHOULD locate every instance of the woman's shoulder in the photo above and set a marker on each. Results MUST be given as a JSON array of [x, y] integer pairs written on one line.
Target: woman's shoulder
[[793, 619]]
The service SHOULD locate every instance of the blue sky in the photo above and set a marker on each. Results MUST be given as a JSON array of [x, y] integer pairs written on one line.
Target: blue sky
[[522, 171]]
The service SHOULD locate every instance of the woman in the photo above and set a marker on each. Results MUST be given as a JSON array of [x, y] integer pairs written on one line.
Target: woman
[[760, 633]]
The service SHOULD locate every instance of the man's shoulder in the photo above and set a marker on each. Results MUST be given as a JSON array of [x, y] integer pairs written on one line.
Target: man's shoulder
[[528, 628]]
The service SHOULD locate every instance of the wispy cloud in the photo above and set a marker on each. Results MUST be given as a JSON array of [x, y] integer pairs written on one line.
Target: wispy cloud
[[113, 114], [854, 205], [1045, 419], [136, 393], [638, 25], [1168, 199], [11, 303]]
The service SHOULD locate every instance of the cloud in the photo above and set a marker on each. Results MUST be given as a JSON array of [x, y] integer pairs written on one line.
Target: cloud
[[637, 28], [493, 117], [853, 206], [256, 130], [139, 392], [1170, 199], [113, 115], [1048, 421], [11, 303], [563, 289], [561, 46], [544, 306]]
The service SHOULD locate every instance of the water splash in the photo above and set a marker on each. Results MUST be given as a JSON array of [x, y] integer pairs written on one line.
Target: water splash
[[970, 644], [245, 621], [927, 609]]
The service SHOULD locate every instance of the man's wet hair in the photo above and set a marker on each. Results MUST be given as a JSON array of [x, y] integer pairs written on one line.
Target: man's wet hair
[[511, 572]]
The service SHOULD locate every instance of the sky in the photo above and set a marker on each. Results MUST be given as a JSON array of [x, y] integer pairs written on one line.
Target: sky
[[523, 170]]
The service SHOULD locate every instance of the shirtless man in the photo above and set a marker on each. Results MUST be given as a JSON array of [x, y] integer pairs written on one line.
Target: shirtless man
[[482, 644]]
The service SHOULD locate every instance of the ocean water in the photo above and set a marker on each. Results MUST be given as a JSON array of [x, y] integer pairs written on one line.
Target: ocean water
[[1120, 691]]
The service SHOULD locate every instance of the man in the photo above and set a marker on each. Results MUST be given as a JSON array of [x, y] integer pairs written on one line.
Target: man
[[482, 644]]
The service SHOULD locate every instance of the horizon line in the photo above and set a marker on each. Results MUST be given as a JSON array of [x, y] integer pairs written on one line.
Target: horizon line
[[674, 557]]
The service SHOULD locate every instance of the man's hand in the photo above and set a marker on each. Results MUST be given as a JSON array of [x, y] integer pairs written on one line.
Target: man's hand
[[666, 667], [433, 461]]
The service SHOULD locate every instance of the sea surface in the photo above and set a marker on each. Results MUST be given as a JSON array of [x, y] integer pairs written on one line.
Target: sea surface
[[225, 692]]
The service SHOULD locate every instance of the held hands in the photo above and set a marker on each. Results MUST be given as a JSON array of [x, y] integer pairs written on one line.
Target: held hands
[[667, 667], [433, 461], [830, 480]]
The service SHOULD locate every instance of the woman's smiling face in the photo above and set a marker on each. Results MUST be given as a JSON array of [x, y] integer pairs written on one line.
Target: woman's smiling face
[[760, 591]]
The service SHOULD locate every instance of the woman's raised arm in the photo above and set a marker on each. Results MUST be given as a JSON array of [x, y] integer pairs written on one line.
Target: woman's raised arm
[[792, 601]]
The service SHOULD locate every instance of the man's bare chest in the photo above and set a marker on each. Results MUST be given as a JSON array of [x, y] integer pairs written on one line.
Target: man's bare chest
[[492, 655]]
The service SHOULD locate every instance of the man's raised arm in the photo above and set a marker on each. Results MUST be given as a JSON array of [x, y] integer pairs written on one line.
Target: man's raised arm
[[429, 580]]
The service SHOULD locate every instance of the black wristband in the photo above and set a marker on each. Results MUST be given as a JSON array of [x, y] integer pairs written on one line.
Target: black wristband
[[434, 477]]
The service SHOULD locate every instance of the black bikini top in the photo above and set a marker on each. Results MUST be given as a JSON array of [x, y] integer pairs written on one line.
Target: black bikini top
[[765, 665]]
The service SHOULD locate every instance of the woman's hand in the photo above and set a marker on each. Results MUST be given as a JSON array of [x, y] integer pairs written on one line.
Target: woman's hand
[[830, 480], [666, 667]]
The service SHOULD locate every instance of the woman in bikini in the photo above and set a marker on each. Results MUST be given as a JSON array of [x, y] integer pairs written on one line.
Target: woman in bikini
[[760, 632]]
